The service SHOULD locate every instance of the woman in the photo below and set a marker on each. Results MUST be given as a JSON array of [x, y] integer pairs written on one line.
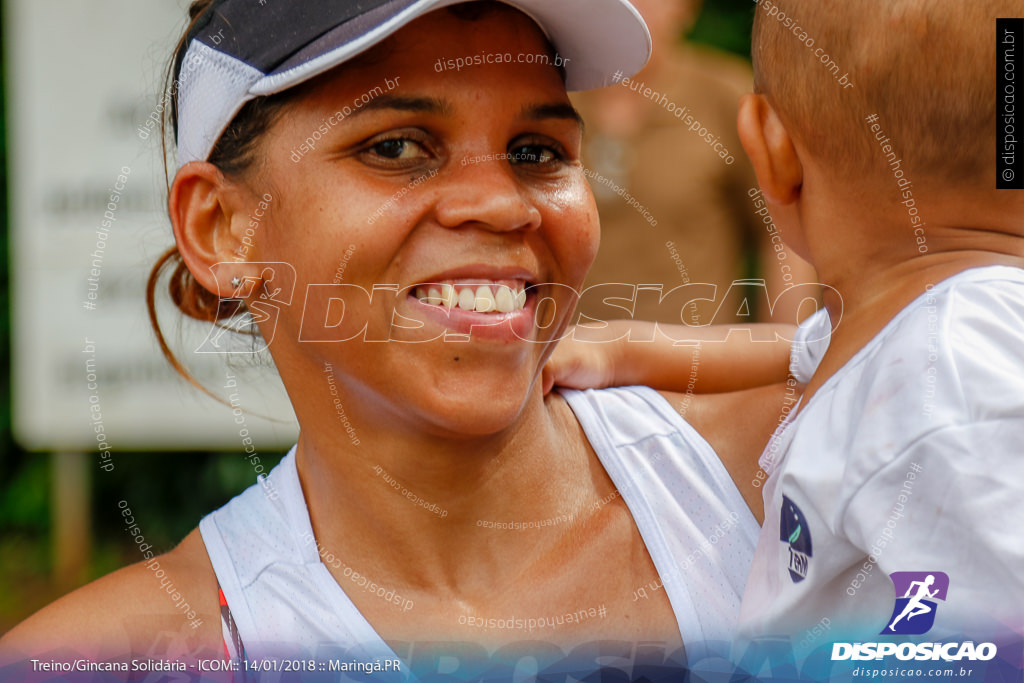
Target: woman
[[457, 201]]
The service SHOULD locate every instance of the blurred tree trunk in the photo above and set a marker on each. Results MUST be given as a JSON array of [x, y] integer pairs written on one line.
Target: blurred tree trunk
[[72, 519]]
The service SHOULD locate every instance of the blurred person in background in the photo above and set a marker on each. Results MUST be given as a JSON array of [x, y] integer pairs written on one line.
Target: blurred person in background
[[693, 218]]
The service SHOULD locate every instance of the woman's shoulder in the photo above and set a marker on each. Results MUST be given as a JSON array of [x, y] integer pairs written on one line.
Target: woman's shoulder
[[169, 602]]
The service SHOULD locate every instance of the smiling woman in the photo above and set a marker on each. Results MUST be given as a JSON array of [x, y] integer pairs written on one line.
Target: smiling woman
[[557, 508]]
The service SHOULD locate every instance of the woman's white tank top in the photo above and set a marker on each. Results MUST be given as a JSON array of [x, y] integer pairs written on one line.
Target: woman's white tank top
[[694, 522]]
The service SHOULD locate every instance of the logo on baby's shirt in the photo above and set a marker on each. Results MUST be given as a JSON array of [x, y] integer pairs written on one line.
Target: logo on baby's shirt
[[794, 531], [916, 593]]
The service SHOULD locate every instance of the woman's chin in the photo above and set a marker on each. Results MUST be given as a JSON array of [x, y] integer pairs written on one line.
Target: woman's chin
[[481, 410]]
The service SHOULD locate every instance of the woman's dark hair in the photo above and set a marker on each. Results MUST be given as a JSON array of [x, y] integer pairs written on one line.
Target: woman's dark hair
[[234, 154]]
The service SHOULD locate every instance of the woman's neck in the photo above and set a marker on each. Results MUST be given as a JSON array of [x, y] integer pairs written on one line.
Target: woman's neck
[[438, 512]]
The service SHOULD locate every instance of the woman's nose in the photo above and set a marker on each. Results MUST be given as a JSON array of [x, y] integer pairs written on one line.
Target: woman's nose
[[486, 194]]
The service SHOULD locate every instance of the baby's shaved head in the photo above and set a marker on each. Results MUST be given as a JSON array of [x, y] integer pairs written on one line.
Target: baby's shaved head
[[925, 67]]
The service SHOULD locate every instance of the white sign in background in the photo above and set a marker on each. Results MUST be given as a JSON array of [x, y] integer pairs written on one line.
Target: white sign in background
[[83, 76]]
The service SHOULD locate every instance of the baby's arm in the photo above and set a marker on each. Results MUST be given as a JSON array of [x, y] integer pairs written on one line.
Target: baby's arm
[[713, 359]]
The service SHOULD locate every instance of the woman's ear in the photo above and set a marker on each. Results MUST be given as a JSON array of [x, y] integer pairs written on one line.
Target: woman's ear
[[771, 150], [209, 214]]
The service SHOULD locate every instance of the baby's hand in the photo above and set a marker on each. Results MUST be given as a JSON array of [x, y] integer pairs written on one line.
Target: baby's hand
[[580, 364]]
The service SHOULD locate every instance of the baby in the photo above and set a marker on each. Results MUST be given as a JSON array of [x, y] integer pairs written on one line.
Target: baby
[[900, 474]]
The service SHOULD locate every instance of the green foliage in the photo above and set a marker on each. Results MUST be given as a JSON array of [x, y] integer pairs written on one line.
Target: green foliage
[[25, 501], [168, 493], [725, 24]]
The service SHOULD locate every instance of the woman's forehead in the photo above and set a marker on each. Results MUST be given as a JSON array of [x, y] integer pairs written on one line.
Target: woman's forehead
[[444, 52], [444, 34]]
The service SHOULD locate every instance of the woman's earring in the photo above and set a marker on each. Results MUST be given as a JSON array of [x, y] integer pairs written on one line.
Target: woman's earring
[[236, 282]]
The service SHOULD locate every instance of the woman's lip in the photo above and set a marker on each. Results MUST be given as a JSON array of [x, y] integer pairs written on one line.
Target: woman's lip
[[484, 273], [507, 327]]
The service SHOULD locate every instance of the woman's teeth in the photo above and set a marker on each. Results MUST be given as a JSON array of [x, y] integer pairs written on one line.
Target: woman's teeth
[[479, 298]]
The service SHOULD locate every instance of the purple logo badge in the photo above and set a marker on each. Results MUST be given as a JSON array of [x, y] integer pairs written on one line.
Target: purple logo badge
[[916, 593]]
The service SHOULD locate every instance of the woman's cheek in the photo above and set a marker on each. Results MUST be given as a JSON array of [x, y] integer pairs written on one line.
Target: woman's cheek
[[577, 229]]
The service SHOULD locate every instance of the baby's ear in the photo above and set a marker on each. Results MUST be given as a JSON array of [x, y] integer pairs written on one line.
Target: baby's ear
[[770, 148]]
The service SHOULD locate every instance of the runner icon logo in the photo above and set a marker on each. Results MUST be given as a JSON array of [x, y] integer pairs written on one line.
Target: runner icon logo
[[916, 593]]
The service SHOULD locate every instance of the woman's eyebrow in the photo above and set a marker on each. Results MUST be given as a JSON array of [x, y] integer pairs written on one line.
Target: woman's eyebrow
[[421, 105], [554, 110], [433, 105]]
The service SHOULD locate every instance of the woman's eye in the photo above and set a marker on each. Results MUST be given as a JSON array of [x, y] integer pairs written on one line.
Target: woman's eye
[[539, 155], [398, 149]]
